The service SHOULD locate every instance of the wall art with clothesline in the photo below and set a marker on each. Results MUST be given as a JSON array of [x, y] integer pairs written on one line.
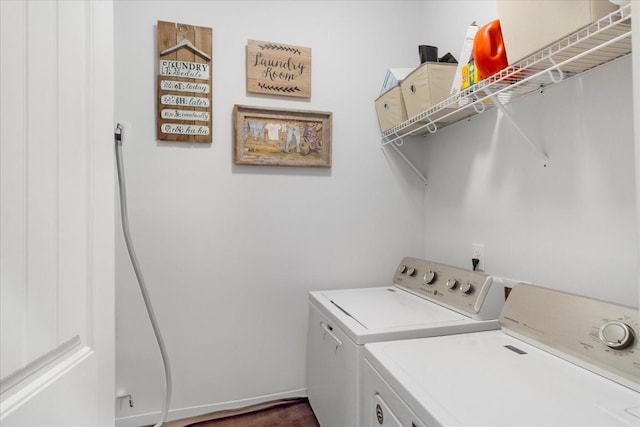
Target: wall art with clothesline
[[281, 137]]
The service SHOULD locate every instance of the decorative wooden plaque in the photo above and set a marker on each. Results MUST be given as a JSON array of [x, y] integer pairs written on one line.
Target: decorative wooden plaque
[[278, 69], [185, 76]]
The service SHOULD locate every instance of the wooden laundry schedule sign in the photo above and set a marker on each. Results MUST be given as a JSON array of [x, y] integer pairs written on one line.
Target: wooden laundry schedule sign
[[185, 75]]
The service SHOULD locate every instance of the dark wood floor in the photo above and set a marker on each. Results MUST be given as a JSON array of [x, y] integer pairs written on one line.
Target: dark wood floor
[[284, 413]]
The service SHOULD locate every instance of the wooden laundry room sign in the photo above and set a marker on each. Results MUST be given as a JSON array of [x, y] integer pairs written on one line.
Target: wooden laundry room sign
[[278, 69], [185, 76]]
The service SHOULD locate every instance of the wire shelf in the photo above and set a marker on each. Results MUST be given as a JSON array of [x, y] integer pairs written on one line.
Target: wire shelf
[[598, 43]]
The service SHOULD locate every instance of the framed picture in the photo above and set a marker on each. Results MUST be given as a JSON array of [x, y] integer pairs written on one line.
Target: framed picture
[[276, 137]]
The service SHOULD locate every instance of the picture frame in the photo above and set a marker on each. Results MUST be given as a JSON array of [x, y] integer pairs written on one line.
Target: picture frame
[[267, 136]]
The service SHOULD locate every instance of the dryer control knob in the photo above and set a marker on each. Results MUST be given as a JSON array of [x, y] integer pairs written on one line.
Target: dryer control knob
[[402, 269], [452, 283], [616, 335], [411, 271], [430, 277], [466, 287]]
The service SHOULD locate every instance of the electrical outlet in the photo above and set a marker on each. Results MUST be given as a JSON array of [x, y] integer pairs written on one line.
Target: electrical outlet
[[478, 252], [124, 401]]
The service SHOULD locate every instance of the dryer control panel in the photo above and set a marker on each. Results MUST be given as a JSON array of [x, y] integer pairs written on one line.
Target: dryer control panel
[[597, 335], [473, 293]]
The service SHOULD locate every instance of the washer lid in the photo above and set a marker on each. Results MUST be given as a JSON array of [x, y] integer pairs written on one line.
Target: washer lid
[[390, 307]]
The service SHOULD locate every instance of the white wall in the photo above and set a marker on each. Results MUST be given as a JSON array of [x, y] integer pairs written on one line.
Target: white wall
[[230, 252], [570, 226]]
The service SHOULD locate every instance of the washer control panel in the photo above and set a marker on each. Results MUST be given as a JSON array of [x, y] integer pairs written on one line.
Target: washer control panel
[[595, 334], [468, 292]]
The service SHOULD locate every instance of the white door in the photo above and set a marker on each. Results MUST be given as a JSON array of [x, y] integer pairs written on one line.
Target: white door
[[56, 213]]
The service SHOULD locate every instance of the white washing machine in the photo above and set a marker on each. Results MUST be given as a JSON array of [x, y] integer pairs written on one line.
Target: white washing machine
[[426, 299], [559, 360]]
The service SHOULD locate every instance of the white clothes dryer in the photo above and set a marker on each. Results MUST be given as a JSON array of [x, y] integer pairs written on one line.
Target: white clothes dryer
[[426, 299], [559, 360]]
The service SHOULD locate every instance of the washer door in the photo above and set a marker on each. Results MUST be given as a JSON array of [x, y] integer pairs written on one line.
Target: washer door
[[383, 415]]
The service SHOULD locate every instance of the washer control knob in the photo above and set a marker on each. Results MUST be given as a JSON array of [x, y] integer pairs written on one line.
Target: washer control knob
[[430, 277], [402, 269], [452, 283], [411, 271], [466, 287], [616, 335]]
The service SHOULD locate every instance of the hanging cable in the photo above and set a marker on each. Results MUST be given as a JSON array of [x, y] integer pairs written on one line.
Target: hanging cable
[[136, 268]]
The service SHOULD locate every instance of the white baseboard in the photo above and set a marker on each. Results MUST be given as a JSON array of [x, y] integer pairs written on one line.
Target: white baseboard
[[194, 411]]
